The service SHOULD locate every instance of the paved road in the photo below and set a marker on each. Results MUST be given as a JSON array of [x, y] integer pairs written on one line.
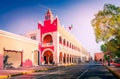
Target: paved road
[[96, 71], [86, 71]]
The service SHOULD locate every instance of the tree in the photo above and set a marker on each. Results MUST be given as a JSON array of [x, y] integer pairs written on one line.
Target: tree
[[104, 48], [106, 25]]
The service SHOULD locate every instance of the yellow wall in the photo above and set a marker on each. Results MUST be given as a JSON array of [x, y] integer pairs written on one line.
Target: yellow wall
[[11, 41]]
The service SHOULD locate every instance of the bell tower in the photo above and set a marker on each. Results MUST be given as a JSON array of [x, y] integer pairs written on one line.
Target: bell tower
[[49, 15], [48, 38]]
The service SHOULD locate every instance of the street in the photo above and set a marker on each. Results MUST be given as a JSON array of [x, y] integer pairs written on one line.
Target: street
[[96, 71], [92, 70]]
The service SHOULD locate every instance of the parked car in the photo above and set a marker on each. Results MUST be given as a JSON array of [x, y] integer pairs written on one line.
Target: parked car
[[116, 62]]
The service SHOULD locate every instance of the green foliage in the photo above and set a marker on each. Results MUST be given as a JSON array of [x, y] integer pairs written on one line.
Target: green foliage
[[118, 53], [106, 25], [106, 57], [104, 48], [112, 46]]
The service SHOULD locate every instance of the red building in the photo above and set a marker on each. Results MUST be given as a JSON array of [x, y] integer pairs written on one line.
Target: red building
[[57, 44], [98, 56]]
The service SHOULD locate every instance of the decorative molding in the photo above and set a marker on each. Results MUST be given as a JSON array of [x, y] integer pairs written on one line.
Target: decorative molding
[[17, 51]]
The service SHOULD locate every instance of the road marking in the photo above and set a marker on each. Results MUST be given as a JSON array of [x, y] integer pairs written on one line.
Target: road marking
[[82, 74]]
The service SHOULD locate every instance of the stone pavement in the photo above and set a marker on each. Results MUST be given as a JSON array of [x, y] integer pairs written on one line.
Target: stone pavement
[[7, 73]]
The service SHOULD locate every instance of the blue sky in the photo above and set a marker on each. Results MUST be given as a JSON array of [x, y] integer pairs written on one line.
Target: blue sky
[[21, 16]]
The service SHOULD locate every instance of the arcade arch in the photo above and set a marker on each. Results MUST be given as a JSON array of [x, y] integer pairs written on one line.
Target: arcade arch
[[60, 58], [64, 58], [48, 57]]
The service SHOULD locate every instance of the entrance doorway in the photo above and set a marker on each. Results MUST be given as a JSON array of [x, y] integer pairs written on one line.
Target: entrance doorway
[[48, 57]]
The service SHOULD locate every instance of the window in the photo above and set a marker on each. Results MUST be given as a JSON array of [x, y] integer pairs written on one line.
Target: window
[[48, 39], [70, 45], [33, 37], [67, 43], [64, 42], [60, 40]]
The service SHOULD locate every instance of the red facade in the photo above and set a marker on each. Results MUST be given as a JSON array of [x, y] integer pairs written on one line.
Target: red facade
[[49, 26], [98, 56]]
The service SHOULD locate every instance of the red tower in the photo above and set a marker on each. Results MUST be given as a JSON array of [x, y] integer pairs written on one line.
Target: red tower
[[50, 25], [48, 31]]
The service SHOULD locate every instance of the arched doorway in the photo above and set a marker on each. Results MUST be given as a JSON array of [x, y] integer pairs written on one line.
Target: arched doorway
[[67, 58], [64, 58], [60, 58], [70, 58], [48, 57]]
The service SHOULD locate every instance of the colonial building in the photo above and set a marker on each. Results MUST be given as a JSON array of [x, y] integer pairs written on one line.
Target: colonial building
[[16, 51], [57, 44], [50, 43]]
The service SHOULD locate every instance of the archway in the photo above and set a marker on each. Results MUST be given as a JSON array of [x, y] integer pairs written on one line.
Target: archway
[[70, 58], [64, 58], [60, 58], [48, 39], [67, 58], [48, 57]]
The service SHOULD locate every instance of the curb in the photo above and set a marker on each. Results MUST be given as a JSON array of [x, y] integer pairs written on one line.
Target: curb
[[114, 73], [4, 76], [28, 72], [23, 73]]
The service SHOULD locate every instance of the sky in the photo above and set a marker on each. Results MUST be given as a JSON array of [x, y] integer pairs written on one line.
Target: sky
[[21, 16]]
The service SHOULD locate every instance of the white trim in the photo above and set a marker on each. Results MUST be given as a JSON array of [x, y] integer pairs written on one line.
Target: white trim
[[33, 51], [46, 50]]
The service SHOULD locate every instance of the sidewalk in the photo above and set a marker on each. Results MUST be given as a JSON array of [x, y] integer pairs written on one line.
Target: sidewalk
[[115, 70], [7, 73]]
